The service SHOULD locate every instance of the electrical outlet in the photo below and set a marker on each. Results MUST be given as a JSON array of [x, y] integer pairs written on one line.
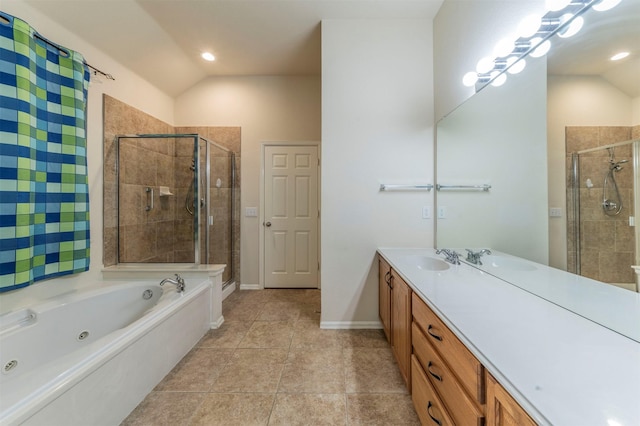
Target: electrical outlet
[[426, 212], [442, 212]]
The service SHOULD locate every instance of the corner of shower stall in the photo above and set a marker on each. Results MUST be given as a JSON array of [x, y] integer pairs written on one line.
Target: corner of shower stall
[[176, 201]]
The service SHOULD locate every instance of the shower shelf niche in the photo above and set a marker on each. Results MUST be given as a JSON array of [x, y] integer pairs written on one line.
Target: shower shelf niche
[[165, 191]]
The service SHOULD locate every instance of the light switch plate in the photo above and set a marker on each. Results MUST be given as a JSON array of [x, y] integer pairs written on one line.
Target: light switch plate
[[555, 212], [251, 212]]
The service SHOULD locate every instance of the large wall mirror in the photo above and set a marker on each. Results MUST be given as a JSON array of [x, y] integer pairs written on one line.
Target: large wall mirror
[[505, 169]]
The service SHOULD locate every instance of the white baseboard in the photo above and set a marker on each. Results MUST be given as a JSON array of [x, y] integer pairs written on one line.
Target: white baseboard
[[350, 325], [228, 290], [217, 323], [250, 287]]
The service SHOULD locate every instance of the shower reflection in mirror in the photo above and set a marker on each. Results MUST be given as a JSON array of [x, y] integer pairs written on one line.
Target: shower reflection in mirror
[[602, 197]]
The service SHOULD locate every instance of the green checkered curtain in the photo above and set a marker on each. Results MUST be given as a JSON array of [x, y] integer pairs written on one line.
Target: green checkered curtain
[[44, 199]]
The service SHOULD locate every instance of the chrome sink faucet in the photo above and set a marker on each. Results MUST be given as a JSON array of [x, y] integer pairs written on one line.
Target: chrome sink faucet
[[474, 257], [450, 256], [178, 282]]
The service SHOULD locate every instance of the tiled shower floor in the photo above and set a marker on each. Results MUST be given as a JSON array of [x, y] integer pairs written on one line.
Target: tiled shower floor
[[270, 363]]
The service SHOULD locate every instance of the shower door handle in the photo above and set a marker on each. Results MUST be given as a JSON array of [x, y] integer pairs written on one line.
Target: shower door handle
[[267, 224], [149, 192]]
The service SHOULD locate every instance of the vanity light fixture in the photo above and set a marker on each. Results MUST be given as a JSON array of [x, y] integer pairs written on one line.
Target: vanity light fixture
[[556, 5], [208, 56], [504, 47], [498, 79], [485, 65], [563, 17], [603, 5], [470, 79], [515, 66], [542, 48], [619, 56], [529, 26], [573, 28]]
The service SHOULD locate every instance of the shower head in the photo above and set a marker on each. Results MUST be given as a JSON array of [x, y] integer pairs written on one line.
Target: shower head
[[616, 165]]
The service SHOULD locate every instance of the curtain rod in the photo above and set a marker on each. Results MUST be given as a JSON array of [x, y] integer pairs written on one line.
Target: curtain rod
[[97, 71], [64, 52]]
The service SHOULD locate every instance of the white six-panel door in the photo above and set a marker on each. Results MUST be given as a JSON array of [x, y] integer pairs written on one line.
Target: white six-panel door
[[291, 217]]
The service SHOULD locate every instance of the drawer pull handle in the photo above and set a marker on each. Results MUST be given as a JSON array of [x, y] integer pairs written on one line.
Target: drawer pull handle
[[391, 281], [435, 336], [438, 378], [435, 420], [387, 278]]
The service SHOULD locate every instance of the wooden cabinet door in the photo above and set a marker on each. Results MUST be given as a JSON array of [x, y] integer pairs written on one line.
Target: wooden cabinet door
[[401, 325], [502, 409], [384, 296]]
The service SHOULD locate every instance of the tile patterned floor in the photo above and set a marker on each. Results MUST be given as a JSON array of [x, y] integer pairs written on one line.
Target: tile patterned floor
[[271, 364]]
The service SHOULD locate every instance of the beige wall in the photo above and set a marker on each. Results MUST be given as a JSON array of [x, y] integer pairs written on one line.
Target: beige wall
[[377, 127], [267, 109], [635, 114]]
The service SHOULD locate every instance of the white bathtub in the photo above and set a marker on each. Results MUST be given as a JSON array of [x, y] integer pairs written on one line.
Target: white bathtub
[[89, 357]]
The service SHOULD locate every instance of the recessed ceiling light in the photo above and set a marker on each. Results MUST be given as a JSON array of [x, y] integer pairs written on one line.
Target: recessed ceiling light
[[207, 56], [619, 56]]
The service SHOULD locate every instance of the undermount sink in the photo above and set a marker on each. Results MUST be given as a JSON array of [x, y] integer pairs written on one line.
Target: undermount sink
[[427, 263], [507, 263]]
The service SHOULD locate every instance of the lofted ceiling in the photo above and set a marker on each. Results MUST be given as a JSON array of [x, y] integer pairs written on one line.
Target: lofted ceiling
[[161, 40], [603, 35]]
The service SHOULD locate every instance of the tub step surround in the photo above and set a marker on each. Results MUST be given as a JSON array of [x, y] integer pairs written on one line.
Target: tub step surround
[[191, 274]]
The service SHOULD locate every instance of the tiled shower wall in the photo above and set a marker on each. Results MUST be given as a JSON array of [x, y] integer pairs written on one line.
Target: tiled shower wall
[[221, 202], [165, 233], [607, 242]]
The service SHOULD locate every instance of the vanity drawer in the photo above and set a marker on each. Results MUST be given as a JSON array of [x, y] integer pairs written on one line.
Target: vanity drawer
[[463, 409], [429, 407], [459, 359]]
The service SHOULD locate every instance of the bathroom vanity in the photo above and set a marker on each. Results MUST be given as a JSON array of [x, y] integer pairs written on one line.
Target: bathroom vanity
[[476, 350]]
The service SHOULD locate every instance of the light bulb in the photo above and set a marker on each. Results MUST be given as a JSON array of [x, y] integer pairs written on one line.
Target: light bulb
[[499, 80], [516, 66], [484, 65], [504, 47], [619, 56], [605, 5], [573, 28], [529, 26], [541, 49], [470, 79], [555, 5], [207, 56]]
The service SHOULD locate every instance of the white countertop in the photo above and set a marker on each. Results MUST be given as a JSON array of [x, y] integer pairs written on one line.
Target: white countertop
[[562, 368]]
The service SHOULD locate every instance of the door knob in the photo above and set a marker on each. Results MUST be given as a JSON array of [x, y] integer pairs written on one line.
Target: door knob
[[267, 224]]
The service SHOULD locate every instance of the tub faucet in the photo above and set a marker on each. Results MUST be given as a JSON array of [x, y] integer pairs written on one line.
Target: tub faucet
[[450, 256], [178, 282], [474, 257]]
